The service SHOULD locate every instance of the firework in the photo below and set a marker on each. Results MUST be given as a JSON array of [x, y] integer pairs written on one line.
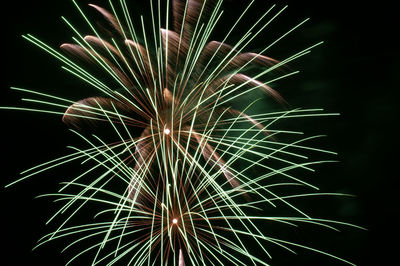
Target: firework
[[187, 177]]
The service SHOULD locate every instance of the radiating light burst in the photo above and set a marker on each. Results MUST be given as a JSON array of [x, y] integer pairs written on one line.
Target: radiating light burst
[[188, 178]]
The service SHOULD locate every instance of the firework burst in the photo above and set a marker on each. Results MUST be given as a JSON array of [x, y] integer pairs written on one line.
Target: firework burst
[[188, 178]]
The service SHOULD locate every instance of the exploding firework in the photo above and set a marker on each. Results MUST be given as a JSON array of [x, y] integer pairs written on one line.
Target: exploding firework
[[192, 172]]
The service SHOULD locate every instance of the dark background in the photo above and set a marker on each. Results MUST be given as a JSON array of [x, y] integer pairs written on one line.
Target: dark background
[[353, 73]]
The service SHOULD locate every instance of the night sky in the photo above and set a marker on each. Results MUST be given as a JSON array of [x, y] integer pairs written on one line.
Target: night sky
[[354, 73]]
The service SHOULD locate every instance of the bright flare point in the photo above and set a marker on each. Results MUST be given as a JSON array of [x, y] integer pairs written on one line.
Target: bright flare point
[[174, 221], [167, 131]]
